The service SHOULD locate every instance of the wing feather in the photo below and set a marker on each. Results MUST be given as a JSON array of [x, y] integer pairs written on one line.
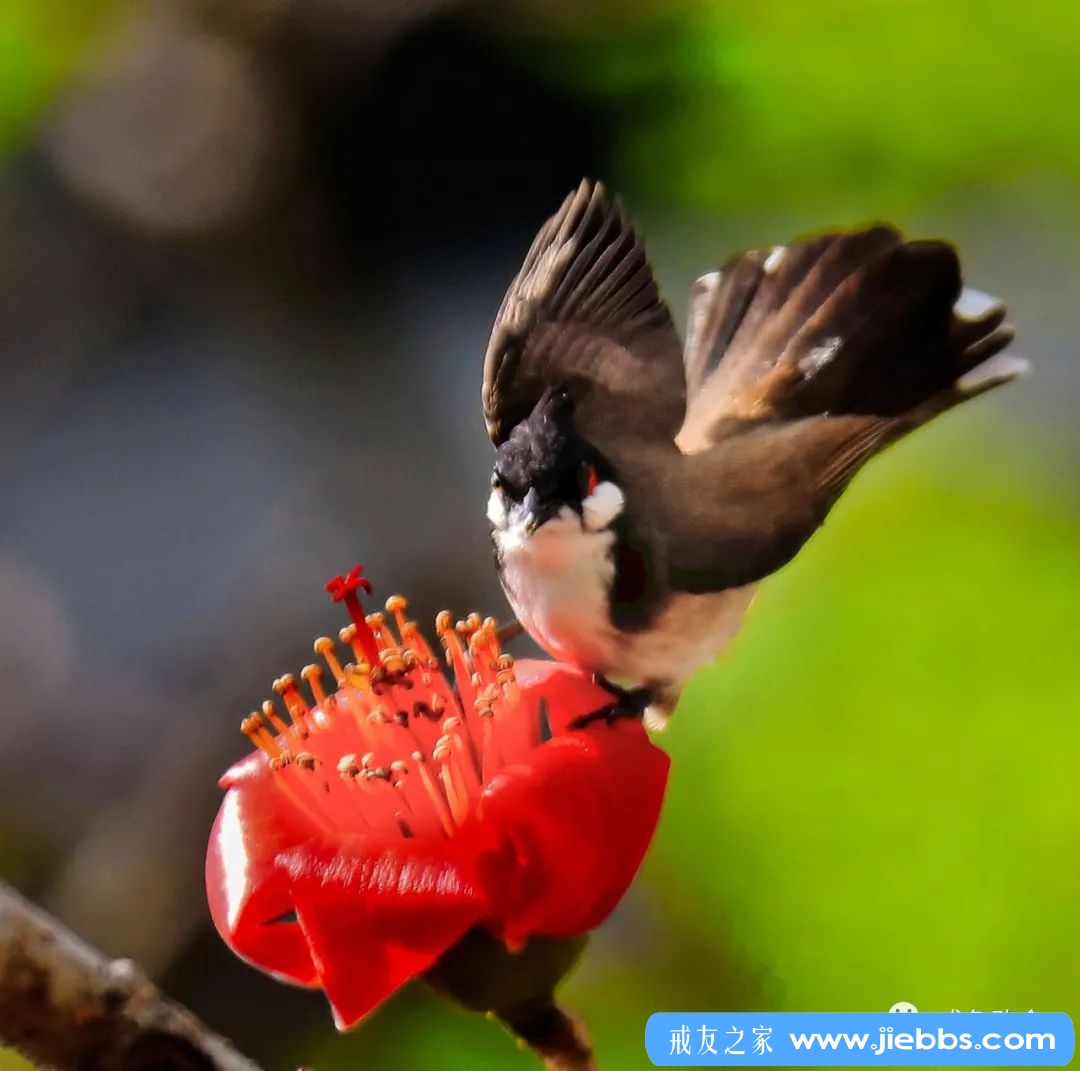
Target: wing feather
[[773, 486], [803, 362], [584, 313]]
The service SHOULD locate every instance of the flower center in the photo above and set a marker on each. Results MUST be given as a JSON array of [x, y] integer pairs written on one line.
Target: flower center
[[394, 749]]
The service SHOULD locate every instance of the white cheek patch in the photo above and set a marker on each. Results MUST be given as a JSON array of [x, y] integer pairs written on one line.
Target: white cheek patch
[[602, 506], [496, 510]]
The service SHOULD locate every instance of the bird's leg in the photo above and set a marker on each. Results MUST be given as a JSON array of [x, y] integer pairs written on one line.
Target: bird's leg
[[629, 703], [633, 700], [509, 632]]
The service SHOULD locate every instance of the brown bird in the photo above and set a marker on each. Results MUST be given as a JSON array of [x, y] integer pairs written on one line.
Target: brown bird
[[641, 488]]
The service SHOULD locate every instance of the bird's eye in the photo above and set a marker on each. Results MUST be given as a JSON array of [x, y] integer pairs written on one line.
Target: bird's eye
[[592, 479]]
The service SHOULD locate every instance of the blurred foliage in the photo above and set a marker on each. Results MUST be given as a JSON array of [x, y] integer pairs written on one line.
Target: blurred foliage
[[727, 104], [41, 46], [873, 797]]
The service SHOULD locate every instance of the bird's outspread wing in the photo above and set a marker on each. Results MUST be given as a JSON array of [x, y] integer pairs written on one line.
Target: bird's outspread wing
[[584, 313]]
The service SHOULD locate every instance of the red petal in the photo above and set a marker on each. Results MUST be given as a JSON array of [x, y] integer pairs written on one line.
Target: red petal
[[376, 915], [245, 890], [578, 819], [567, 693]]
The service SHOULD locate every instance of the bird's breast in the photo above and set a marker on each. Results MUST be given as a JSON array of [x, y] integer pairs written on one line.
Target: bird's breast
[[558, 582]]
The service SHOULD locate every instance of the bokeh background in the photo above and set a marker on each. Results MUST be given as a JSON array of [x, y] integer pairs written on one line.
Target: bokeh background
[[251, 250]]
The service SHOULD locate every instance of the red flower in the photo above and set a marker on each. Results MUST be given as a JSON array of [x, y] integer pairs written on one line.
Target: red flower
[[363, 839]]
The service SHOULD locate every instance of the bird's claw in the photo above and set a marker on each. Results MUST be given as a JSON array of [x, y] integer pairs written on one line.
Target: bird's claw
[[629, 703]]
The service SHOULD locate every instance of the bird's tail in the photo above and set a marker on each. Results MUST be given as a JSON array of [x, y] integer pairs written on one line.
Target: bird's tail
[[861, 322]]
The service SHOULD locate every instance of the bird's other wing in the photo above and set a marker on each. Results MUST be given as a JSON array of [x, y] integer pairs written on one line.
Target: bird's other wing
[[802, 363], [584, 313], [739, 511], [851, 322]]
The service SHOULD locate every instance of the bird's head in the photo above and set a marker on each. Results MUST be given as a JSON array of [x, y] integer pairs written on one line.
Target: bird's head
[[546, 471]]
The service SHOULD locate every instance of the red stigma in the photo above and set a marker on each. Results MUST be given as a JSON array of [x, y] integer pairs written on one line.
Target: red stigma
[[344, 589]]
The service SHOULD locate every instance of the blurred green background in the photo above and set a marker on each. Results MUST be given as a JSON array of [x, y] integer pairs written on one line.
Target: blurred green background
[[252, 251]]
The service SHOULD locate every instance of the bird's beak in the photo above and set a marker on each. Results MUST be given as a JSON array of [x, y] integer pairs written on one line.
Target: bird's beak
[[533, 512]]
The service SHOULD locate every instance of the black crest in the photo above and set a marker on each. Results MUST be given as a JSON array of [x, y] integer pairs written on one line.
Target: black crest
[[543, 452]]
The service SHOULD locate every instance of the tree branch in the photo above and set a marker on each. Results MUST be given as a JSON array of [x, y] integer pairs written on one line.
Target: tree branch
[[64, 1004]]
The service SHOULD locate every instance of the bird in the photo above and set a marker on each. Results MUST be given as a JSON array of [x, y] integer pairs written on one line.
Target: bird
[[641, 488]]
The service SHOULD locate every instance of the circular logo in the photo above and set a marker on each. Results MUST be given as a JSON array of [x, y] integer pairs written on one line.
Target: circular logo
[[903, 1006]]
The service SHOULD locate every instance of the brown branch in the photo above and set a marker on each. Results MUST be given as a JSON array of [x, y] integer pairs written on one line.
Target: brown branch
[[65, 1005], [558, 1038]]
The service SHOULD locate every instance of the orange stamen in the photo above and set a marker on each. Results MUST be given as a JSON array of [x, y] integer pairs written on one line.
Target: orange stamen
[[466, 778], [294, 702], [456, 729], [347, 766], [398, 772], [325, 646], [480, 653], [393, 661], [253, 728], [507, 679], [444, 756], [312, 676], [377, 623], [455, 652], [359, 676], [348, 636], [269, 712], [396, 606], [438, 800], [414, 640], [490, 759]]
